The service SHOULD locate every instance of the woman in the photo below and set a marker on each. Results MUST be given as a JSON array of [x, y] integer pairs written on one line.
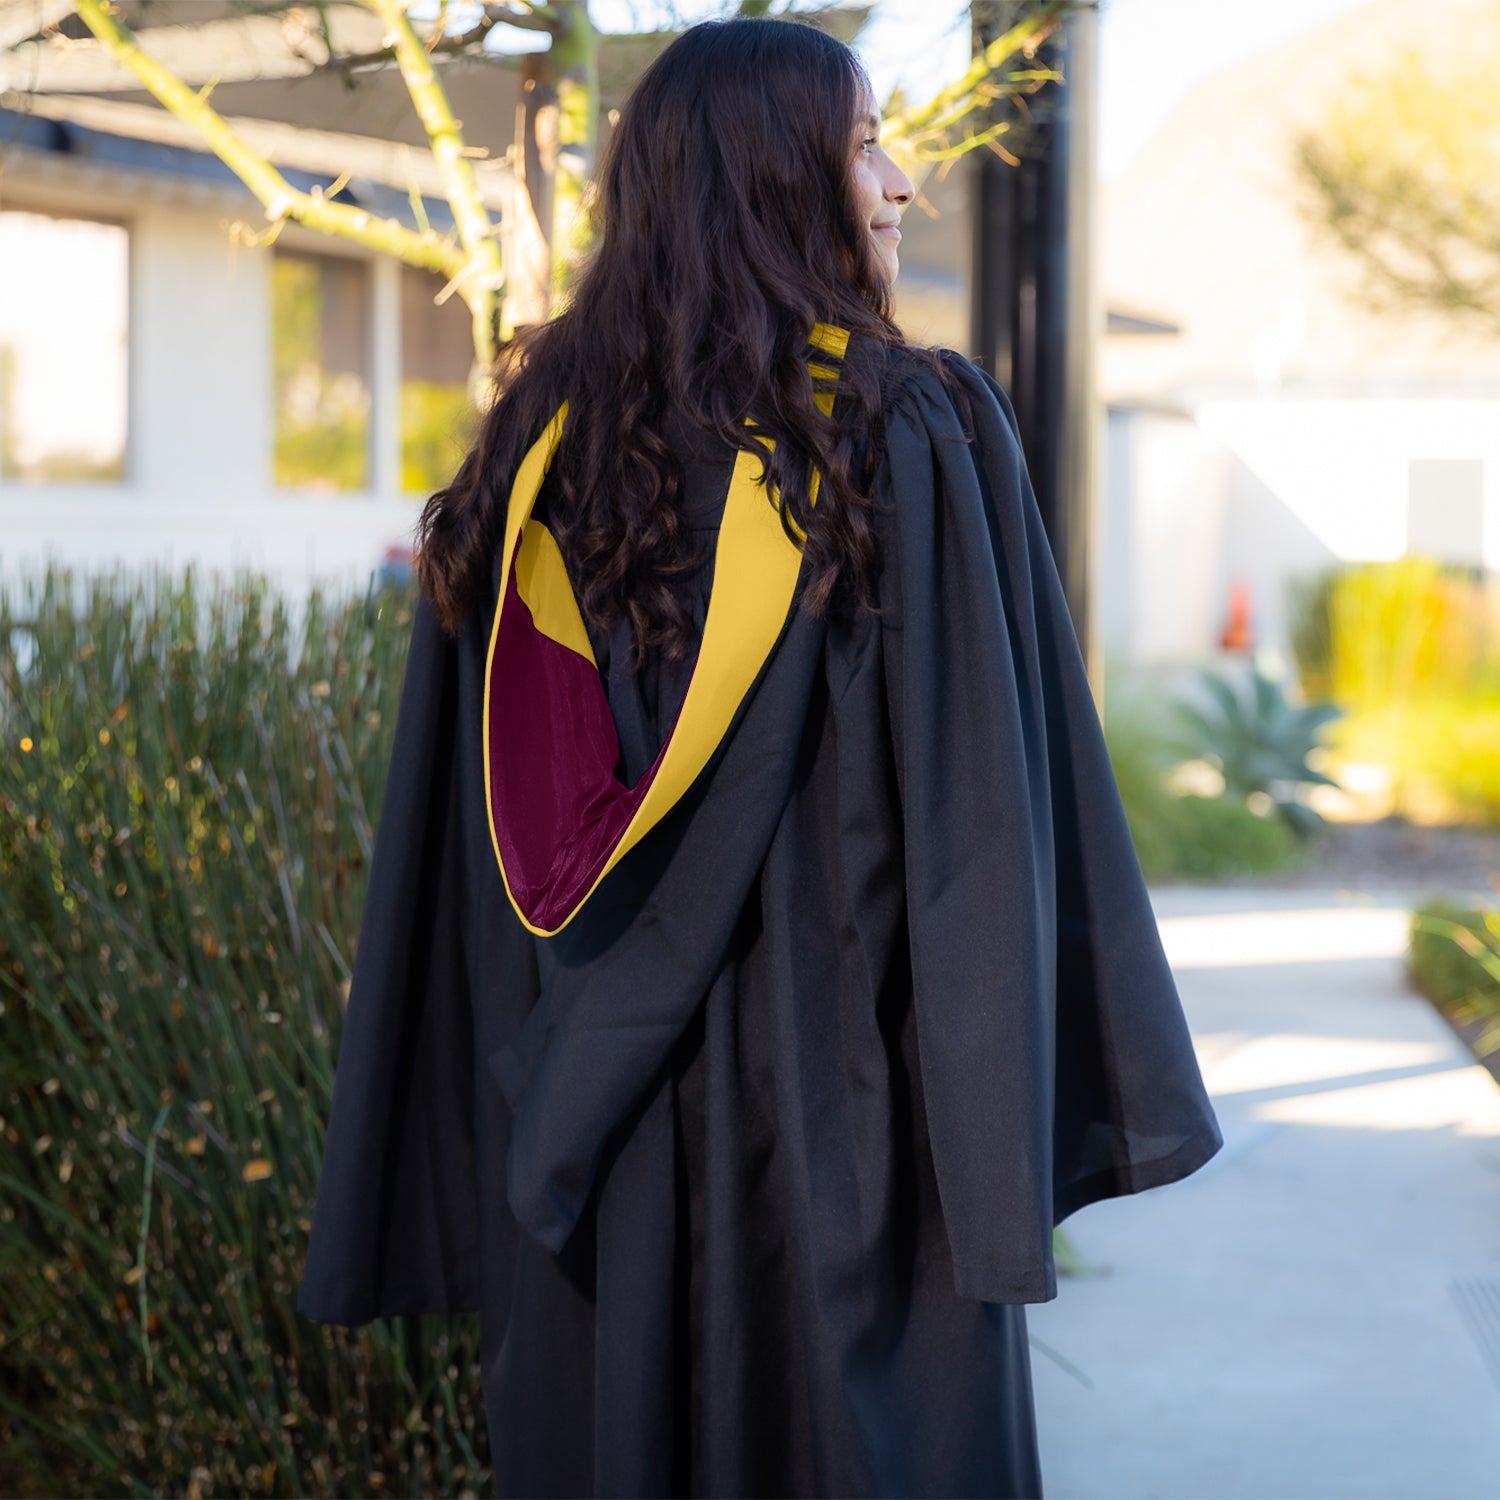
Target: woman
[[756, 966]]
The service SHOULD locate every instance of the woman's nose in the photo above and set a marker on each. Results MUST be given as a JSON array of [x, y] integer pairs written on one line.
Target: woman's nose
[[899, 188]]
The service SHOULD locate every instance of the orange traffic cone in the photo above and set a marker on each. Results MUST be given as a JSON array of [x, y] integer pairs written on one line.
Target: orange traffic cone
[[1238, 634]]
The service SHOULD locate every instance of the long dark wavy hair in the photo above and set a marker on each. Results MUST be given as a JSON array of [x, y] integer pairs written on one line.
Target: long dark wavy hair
[[725, 228]]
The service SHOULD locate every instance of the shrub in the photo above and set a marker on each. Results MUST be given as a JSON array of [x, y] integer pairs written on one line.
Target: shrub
[[188, 789], [1221, 836], [1184, 836], [1411, 650], [1369, 632], [1454, 959], [1309, 628]]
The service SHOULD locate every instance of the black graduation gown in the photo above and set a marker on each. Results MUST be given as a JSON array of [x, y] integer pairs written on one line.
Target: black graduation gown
[[750, 1170]]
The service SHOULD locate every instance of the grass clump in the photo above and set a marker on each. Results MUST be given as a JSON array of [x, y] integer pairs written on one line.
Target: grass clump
[[1454, 959], [189, 783]]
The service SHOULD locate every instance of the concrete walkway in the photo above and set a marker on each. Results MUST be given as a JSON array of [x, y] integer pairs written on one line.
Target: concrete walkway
[[1317, 1311]]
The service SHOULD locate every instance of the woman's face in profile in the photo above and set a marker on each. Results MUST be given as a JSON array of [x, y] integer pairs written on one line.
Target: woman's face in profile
[[881, 189]]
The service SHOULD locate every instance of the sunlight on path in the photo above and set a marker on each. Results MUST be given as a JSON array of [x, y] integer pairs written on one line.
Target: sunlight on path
[[1306, 935], [1298, 1318]]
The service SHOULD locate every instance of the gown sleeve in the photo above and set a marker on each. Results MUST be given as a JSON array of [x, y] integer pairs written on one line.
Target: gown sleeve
[[1055, 1055], [396, 1225]]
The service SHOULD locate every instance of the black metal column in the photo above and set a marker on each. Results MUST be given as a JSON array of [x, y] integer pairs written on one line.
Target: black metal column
[[1035, 314]]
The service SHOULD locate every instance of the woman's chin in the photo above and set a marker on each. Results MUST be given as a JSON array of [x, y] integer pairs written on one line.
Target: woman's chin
[[884, 263]]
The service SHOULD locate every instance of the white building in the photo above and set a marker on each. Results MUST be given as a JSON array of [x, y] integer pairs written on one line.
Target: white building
[[171, 390], [1284, 427]]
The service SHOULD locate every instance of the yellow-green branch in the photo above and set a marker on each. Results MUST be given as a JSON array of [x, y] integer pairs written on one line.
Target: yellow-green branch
[[430, 251], [968, 91], [486, 277]]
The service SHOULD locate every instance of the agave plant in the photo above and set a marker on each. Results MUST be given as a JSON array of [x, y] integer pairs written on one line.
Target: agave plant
[[1259, 741]]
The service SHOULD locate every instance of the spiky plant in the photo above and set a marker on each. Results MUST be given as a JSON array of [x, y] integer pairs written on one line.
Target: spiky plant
[[1259, 741], [189, 780]]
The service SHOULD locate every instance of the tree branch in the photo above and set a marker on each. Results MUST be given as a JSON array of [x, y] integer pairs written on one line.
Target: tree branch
[[486, 276], [523, 18], [978, 84], [280, 199]]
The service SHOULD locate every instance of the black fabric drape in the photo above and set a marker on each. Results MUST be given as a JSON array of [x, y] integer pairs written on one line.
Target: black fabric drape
[[750, 1170]]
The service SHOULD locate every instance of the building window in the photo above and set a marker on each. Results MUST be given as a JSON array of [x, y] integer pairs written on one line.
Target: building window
[[64, 300], [438, 425], [321, 364]]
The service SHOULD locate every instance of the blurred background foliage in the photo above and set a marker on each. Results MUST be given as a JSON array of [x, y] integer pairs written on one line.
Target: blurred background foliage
[[1400, 173], [1453, 957], [188, 791], [437, 429], [1411, 650], [1259, 743], [1396, 672], [321, 389], [1182, 833]]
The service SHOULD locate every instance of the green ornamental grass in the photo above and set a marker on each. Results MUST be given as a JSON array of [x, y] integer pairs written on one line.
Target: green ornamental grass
[[189, 783], [1453, 958]]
